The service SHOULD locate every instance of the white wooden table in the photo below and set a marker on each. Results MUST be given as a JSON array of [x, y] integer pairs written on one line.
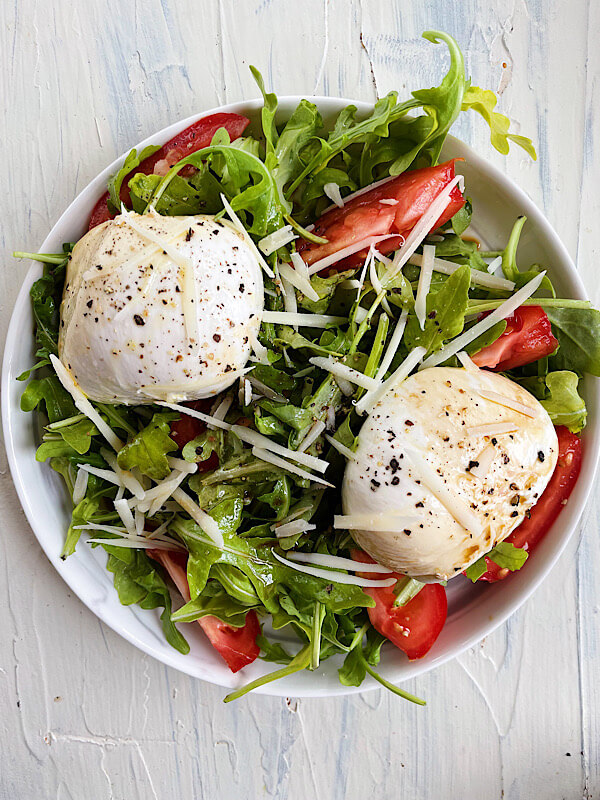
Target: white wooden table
[[85, 715]]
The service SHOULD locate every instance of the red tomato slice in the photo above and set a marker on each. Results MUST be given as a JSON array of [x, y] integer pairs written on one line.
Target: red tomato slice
[[187, 428], [198, 135], [528, 337], [412, 192], [414, 627], [237, 646], [549, 506]]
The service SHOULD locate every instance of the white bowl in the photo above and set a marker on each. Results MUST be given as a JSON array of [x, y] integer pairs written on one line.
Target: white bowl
[[473, 610]]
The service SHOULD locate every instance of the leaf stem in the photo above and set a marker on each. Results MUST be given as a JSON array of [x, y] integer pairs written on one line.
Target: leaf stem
[[297, 664]]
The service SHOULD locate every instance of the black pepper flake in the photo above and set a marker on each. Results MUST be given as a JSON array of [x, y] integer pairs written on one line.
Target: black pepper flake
[[407, 531], [375, 483], [242, 287], [216, 337], [394, 465], [395, 480], [505, 459], [409, 423], [420, 504], [541, 456], [89, 303], [138, 320], [515, 500], [515, 514], [432, 315], [472, 464], [189, 235]]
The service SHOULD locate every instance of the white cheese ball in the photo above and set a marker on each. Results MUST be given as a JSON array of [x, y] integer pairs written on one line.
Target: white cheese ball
[[140, 324], [432, 414]]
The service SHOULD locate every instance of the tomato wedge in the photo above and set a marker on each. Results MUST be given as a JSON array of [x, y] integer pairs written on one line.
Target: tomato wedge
[[237, 646], [187, 428], [548, 507], [198, 135], [528, 337], [370, 214], [414, 627]]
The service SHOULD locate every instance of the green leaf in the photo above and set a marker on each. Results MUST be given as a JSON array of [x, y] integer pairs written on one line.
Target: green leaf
[[131, 162], [578, 333], [325, 288], [200, 194], [149, 448], [353, 670], [507, 556], [272, 651], [137, 580], [218, 603], [445, 315], [462, 219], [79, 435], [81, 514], [48, 394], [483, 101], [564, 405], [476, 570]]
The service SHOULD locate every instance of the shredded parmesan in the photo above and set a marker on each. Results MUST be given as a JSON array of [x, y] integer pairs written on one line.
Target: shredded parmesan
[[333, 576], [360, 314], [221, 411], [375, 282], [266, 391], [422, 228], [80, 487], [303, 320], [505, 310], [324, 560], [453, 504], [355, 247], [315, 430], [273, 241], [477, 276], [191, 412], [299, 280], [83, 404], [341, 448], [294, 515], [257, 439], [341, 370], [484, 462], [393, 346], [180, 465], [127, 519], [493, 265], [140, 521], [508, 402], [129, 481], [383, 523], [237, 223], [105, 474], [270, 458], [424, 283], [365, 189], [141, 543], [206, 522], [492, 429], [332, 190], [289, 298], [372, 397], [259, 350], [389, 201], [467, 362], [292, 528]]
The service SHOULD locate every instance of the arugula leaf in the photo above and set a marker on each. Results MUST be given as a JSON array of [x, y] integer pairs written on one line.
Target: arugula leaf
[[507, 556], [200, 194], [476, 570], [48, 394], [148, 449], [81, 514], [462, 219], [214, 603], [137, 580], [564, 405], [483, 101], [79, 435], [578, 333], [325, 288], [272, 651], [445, 317], [131, 162]]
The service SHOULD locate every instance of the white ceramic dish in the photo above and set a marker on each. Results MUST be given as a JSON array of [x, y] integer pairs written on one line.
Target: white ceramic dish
[[473, 611]]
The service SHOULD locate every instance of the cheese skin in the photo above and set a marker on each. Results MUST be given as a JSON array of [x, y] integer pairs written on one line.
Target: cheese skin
[[430, 414], [138, 324]]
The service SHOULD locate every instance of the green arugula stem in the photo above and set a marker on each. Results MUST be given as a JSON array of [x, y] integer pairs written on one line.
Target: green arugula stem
[[405, 590], [490, 253], [477, 306], [315, 639], [391, 686], [45, 258], [297, 664]]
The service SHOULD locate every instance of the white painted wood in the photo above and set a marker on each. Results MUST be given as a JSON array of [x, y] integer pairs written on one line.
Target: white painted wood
[[84, 714]]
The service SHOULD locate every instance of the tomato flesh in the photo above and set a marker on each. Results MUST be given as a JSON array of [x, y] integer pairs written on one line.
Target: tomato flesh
[[187, 428], [237, 646], [411, 194], [533, 529], [413, 627], [198, 135], [528, 337]]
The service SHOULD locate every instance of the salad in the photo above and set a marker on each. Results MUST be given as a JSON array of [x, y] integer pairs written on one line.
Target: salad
[[283, 383]]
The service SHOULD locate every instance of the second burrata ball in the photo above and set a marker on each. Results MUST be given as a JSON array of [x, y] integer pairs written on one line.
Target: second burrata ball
[[159, 308], [458, 457]]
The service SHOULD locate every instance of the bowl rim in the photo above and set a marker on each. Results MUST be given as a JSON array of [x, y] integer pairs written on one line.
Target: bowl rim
[[291, 685]]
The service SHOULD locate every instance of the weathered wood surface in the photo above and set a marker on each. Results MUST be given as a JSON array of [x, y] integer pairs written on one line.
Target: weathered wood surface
[[84, 714]]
